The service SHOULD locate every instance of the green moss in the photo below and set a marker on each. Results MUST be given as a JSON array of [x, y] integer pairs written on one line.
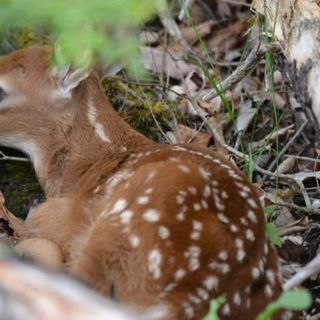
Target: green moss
[[21, 37], [19, 185], [141, 108]]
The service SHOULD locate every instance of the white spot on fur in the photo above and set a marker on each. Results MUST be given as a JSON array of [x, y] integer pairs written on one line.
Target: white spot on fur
[[192, 190], [204, 204], [195, 235], [135, 241], [252, 203], [114, 180], [206, 191], [193, 254], [119, 206], [252, 216], [268, 291], [98, 128], [224, 268], [170, 287], [255, 273], [237, 299], [202, 293], [240, 253], [194, 299], [179, 274], [180, 199], [271, 277], [197, 206], [148, 191], [183, 168], [188, 310], [226, 310], [197, 225], [126, 216], [143, 200], [220, 206], [164, 232], [234, 228], [224, 195], [211, 282], [223, 255], [154, 263], [223, 218], [151, 215], [244, 221], [250, 235], [204, 173]]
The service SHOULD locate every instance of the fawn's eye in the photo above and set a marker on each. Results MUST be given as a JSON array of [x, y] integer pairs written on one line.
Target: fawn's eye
[[2, 94]]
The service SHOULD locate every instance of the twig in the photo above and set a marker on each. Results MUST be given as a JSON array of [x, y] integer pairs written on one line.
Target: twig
[[302, 158], [310, 269], [4, 157], [184, 7], [287, 146], [248, 65], [291, 230], [270, 137], [294, 206]]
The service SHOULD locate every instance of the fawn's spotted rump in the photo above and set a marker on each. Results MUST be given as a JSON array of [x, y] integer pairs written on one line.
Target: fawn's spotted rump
[[152, 225], [191, 227]]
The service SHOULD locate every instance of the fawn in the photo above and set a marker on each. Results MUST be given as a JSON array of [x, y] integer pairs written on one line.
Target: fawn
[[151, 224]]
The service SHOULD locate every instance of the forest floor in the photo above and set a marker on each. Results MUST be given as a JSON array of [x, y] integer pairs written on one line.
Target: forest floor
[[215, 78]]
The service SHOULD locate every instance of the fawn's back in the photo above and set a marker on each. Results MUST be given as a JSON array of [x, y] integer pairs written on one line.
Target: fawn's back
[[150, 224]]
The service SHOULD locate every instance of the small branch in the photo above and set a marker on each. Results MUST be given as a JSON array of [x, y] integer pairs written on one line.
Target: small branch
[[241, 72], [237, 75], [308, 211], [287, 146], [4, 157], [270, 137], [310, 269]]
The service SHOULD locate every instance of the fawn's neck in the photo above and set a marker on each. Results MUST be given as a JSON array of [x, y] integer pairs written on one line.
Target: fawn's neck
[[93, 132]]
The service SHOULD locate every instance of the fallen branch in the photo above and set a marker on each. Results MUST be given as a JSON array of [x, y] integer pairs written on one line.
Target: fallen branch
[[241, 72], [310, 269]]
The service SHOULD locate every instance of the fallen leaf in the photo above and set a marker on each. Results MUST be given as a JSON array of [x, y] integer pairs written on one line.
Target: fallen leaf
[[194, 34], [228, 37], [164, 60], [185, 134], [245, 115]]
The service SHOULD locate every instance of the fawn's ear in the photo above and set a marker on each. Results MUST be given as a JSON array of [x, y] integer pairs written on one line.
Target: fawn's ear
[[69, 77]]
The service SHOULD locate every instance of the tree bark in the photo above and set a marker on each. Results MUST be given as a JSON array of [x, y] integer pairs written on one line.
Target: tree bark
[[296, 25]]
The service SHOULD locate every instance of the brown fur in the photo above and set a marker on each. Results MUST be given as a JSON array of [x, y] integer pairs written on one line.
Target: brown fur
[[86, 179]]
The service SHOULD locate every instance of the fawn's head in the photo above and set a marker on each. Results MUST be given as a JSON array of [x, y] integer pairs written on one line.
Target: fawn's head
[[34, 96]]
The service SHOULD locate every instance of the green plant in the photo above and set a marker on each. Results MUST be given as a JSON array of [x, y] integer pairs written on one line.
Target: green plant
[[92, 29], [294, 300], [214, 306]]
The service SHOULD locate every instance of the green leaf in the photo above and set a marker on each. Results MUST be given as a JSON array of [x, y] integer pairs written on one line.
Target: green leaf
[[272, 232], [214, 307], [295, 300], [269, 210], [105, 30]]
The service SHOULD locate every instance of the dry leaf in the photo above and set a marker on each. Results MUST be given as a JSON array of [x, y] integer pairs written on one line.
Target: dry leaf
[[228, 37], [149, 37], [245, 115], [202, 30], [161, 60], [185, 134]]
